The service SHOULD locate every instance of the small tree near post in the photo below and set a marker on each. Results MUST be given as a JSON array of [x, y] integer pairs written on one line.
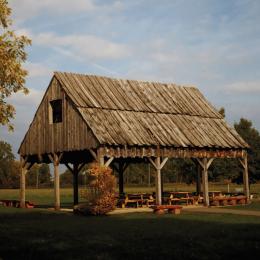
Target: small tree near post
[[101, 194]]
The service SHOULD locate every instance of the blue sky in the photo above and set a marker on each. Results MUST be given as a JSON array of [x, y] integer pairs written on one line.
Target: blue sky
[[214, 45]]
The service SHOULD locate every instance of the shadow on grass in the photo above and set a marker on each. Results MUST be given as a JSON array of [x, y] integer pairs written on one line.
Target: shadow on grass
[[43, 234], [46, 206]]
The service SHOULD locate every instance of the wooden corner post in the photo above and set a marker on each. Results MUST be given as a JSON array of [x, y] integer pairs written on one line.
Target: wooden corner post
[[23, 172], [244, 163]]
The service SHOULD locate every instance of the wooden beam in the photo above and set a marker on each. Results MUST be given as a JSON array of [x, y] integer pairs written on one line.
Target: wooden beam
[[210, 161], [152, 162], [93, 154], [81, 166], [163, 162], [69, 168], [109, 161], [161, 165], [200, 162], [242, 162]]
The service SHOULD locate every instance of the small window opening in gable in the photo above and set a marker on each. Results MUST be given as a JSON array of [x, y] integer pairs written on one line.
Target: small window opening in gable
[[55, 111]]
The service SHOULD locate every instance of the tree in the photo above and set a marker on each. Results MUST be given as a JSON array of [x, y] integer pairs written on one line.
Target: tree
[[66, 178], [38, 176], [32, 176], [12, 55], [44, 174], [252, 137], [9, 168]]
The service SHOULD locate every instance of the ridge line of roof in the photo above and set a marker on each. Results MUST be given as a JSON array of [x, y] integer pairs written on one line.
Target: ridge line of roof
[[127, 79]]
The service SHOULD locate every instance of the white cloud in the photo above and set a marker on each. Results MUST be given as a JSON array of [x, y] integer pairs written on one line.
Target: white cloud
[[38, 70], [26, 9], [33, 98], [83, 46], [244, 87]]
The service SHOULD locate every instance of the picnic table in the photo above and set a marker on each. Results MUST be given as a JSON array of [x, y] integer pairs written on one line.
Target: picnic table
[[228, 200], [16, 203], [177, 197], [136, 199]]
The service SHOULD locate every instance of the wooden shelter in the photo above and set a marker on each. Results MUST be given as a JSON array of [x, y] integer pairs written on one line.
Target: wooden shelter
[[82, 118]]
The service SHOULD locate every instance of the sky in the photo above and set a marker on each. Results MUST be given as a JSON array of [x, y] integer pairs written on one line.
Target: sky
[[213, 45]]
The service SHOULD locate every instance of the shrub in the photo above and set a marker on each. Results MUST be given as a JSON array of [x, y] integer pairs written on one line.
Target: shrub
[[101, 194]]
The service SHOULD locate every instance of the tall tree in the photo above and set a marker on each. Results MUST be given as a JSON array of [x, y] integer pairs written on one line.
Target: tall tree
[[6, 161], [252, 137], [12, 56]]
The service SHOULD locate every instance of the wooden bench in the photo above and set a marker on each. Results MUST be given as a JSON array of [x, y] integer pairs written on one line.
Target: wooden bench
[[172, 209], [16, 203], [230, 200]]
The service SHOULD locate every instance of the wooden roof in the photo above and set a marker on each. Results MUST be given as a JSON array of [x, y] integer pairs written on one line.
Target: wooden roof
[[128, 112]]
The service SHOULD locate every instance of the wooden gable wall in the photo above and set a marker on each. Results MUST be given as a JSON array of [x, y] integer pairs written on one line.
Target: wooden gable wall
[[69, 135]]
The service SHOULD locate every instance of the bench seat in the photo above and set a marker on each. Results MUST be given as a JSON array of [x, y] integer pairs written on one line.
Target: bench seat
[[173, 209]]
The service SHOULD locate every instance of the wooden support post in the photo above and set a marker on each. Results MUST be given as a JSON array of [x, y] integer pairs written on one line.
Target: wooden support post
[[23, 170], [56, 183], [122, 166], [162, 181], [75, 185], [244, 163], [22, 182], [22, 187], [75, 172], [121, 177], [205, 183], [55, 158], [158, 181], [158, 166], [198, 181], [205, 164]]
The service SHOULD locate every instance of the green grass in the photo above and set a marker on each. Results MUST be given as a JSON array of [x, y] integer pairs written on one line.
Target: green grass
[[44, 234], [45, 197]]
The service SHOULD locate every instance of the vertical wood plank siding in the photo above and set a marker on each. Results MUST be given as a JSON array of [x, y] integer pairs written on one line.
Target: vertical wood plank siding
[[69, 135]]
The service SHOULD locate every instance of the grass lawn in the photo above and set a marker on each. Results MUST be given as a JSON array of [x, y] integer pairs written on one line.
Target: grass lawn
[[44, 234], [45, 197]]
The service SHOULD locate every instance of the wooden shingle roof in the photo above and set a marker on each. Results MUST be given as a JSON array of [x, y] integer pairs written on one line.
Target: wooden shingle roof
[[128, 112]]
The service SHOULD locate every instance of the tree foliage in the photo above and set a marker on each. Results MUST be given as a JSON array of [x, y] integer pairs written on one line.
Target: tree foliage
[[101, 195], [9, 168], [12, 56], [252, 137], [39, 176]]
